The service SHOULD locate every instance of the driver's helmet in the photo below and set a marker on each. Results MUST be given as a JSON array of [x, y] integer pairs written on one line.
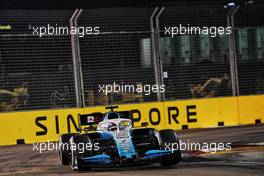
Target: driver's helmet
[[112, 126], [123, 125]]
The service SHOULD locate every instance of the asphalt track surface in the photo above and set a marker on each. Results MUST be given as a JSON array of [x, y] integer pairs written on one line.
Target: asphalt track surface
[[246, 158]]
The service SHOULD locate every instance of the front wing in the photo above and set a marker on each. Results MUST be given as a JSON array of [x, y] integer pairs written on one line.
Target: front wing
[[104, 159]]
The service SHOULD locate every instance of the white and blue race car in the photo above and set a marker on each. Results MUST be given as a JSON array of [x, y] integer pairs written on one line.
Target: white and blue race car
[[116, 142]]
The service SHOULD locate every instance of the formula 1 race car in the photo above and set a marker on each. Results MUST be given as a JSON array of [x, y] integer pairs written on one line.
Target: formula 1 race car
[[116, 142]]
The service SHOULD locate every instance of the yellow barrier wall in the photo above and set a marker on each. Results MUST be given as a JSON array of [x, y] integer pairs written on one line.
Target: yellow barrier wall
[[251, 108], [204, 113], [41, 126]]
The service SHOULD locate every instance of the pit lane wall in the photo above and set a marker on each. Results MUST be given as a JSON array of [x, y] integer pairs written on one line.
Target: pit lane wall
[[41, 126]]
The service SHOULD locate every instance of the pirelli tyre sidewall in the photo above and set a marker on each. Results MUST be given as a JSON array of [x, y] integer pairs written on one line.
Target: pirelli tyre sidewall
[[167, 137], [64, 143], [75, 152]]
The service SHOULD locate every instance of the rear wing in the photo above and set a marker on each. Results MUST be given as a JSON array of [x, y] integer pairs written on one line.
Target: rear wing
[[90, 119]]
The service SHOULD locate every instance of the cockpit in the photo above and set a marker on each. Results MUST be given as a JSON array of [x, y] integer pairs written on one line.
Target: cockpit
[[115, 125]]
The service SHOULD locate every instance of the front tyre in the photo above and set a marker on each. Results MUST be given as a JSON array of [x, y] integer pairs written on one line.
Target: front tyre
[[169, 137], [144, 139], [64, 145], [75, 153]]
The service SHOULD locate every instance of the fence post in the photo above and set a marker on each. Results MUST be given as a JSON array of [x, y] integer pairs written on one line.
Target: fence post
[[76, 61], [153, 50], [79, 65], [158, 48], [232, 51]]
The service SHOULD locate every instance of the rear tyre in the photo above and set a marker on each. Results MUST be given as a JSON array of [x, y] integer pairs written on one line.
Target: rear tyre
[[64, 145], [75, 152], [169, 137]]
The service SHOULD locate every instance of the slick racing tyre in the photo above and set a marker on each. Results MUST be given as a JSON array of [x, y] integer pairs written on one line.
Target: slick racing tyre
[[64, 145], [169, 137], [144, 139], [75, 152]]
